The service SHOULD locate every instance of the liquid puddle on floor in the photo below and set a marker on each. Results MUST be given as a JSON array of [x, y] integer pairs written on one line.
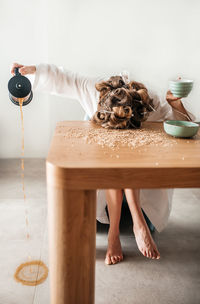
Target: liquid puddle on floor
[[31, 273]]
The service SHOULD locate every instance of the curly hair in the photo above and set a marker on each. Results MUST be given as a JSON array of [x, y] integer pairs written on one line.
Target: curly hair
[[122, 105]]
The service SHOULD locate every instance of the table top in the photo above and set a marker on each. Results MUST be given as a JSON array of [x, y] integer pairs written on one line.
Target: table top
[[82, 148]]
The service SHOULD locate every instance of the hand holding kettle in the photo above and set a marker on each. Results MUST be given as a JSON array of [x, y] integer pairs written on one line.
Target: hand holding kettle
[[23, 69], [19, 86]]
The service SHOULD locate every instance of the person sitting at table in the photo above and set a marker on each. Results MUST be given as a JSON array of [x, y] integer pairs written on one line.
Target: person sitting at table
[[117, 103]]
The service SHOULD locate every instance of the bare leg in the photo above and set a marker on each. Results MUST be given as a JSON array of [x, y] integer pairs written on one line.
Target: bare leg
[[114, 250], [142, 234]]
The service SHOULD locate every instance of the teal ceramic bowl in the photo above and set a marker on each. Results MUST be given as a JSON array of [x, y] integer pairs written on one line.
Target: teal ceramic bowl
[[180, 128], [181, 87]]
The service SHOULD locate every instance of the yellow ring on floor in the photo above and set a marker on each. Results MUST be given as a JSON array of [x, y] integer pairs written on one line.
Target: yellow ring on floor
[[31, 273]]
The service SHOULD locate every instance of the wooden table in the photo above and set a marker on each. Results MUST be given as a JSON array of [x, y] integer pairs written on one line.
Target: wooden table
[[74, 171]]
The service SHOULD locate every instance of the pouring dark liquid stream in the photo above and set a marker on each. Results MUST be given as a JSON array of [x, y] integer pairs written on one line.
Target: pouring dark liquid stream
[[33, 272]]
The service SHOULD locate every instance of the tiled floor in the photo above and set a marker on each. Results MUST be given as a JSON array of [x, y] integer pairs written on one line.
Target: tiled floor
[[175, 278]]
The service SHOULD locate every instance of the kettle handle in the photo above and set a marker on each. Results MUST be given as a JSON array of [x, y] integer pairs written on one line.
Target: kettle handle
[[16, 71]]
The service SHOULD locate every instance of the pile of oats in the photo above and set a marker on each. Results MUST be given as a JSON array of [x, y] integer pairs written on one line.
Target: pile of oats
[[114, 139]]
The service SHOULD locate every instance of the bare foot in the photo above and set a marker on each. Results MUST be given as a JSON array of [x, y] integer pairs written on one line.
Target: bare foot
[[145, 242], [114, 252]]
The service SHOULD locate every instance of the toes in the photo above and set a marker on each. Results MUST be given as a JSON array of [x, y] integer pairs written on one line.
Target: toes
[[120, 258], [108, 260], [147, 253], [144, 253], [157, 254], [153, 255], [117, 259], [150, 254], [114, 259]]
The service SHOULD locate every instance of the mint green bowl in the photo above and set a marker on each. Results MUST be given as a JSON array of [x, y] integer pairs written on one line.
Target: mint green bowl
[[180, 128], [181, 87]]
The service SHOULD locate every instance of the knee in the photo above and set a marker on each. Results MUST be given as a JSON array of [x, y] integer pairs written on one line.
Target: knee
[[114, 190], [114, 193]]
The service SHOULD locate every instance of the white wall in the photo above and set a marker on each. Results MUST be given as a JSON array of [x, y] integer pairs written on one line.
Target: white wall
[[155, 40], [23, 39]]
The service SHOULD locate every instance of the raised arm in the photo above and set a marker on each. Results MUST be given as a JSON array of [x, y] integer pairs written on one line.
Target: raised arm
[[59, 81], [178, 108], [170, 108]]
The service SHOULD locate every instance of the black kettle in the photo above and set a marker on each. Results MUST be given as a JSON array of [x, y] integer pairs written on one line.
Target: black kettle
[[19, 87]]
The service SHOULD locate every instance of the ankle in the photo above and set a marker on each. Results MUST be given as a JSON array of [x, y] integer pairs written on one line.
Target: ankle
[[114, 232]]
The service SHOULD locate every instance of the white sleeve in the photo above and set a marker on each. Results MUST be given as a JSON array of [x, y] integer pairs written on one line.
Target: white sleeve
[[59, 81], [188, 107], [164, 111]]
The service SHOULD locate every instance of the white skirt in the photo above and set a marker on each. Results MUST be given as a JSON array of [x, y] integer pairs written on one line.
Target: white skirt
[[156, 203]]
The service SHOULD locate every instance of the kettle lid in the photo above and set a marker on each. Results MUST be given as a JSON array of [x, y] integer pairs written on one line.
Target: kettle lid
[[19, 86]]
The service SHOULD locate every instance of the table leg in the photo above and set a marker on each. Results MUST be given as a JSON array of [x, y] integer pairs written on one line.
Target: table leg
[[72, 240]]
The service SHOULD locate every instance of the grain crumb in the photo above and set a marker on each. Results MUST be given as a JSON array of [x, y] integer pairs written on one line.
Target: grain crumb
[[115, 139]]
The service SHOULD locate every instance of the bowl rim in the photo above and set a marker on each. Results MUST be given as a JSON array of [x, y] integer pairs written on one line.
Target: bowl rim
[[176, 85], [182, 81], [180, 91], [194, 124]]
